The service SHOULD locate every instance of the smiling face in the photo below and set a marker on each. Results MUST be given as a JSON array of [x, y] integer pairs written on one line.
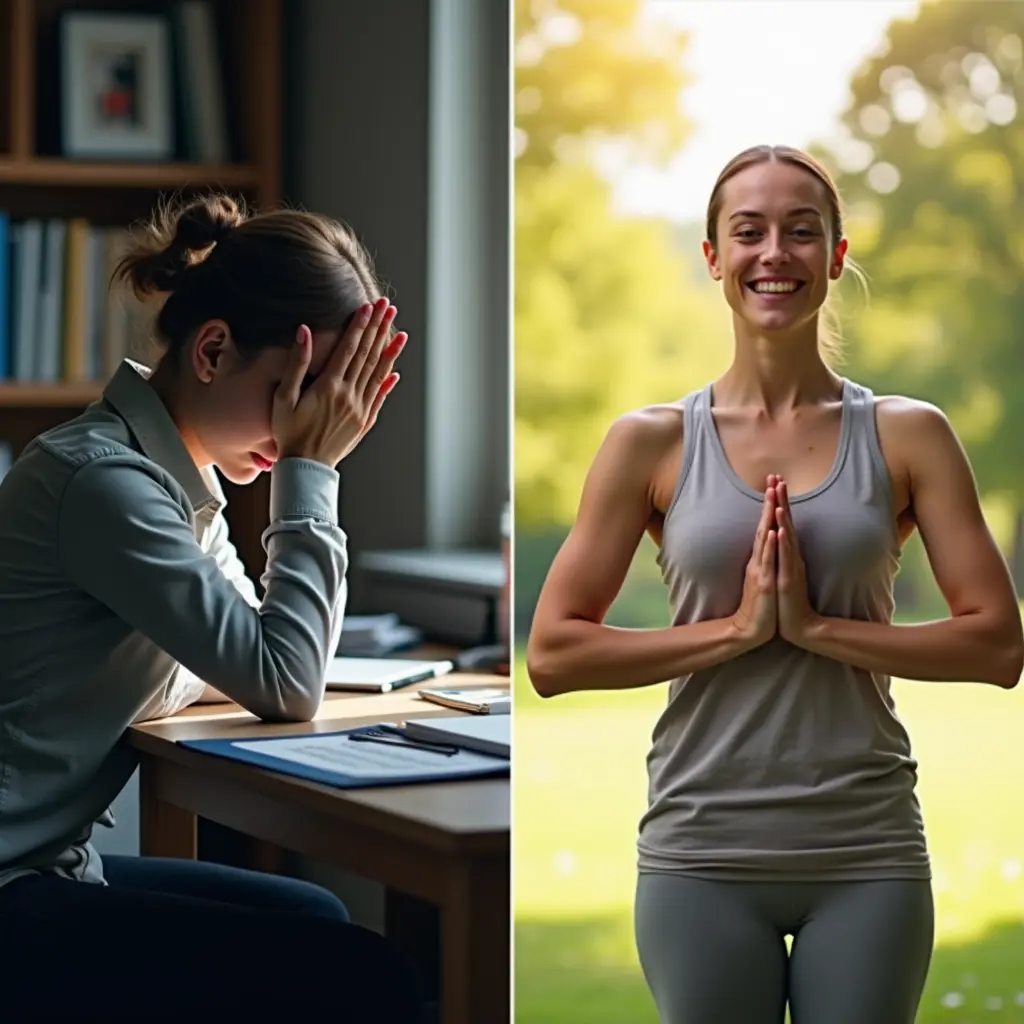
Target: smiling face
[[773, 246]]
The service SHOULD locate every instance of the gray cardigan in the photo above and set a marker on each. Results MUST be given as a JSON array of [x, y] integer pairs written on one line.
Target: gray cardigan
[[121, 595]]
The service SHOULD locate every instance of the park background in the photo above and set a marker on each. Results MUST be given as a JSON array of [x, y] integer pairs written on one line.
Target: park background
[[625, 111]]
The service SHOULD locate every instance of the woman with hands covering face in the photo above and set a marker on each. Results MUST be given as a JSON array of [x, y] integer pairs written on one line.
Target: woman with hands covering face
[[279, 354], [781, 779]]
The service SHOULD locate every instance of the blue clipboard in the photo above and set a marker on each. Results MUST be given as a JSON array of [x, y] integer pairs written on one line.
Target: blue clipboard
[[476, 766]]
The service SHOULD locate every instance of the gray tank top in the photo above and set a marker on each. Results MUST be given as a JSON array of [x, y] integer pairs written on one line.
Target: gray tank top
[[781, 763]]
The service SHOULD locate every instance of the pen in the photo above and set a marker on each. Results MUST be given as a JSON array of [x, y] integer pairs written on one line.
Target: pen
[[397, 739], [391, 730], [394, 730]]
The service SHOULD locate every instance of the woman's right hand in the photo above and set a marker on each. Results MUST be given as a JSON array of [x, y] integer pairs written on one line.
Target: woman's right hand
[[756, 619], [327, 420]]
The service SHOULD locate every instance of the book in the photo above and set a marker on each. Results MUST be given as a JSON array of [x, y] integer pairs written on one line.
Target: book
[[376, 636], [6, 315], [381, 675], [486, 701], [485, 734]]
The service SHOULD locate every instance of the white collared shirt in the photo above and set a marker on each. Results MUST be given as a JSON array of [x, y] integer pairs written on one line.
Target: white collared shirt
[[121, 595]]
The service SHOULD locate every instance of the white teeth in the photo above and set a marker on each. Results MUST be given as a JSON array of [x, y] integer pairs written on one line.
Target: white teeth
[[775, 287]]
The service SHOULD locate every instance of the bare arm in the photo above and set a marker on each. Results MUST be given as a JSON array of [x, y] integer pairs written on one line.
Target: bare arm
[[982, 639], [569, 647]]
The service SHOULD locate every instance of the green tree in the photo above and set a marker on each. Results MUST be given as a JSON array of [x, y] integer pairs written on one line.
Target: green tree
[[606, 317], [603, 323], [591, 71], [932, 170]]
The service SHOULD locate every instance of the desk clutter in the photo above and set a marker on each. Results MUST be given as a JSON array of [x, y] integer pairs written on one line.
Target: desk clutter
[[376, 636], [477, 700], [381, 675], [438, 750], [454, 597]]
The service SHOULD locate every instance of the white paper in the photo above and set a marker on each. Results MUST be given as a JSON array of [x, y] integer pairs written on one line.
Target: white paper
[[363, 760]]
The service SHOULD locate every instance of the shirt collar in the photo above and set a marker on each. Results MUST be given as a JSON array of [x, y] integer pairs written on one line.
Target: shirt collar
[[131, 394]]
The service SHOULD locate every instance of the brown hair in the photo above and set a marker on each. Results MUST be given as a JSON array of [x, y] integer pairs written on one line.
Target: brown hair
[[829, 331], [264, 275]]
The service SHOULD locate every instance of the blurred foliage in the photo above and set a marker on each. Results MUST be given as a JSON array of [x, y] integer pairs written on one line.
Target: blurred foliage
[[593, 71], [604, 322], [931, 165], [606, 313]]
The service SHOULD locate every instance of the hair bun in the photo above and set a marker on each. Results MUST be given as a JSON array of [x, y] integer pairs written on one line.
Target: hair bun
[[206, 221], [175, 240]]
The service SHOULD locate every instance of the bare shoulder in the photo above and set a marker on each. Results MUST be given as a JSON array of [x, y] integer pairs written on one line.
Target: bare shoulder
[[903, 413], [642, 452], [911, 419], [648, 433], [917, 434]]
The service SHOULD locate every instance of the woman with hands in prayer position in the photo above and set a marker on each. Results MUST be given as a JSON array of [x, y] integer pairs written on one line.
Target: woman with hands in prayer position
[[279, 357], [781, 780]]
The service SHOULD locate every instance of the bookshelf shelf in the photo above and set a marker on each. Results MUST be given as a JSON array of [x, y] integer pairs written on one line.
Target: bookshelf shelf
[[77, 173], [63, 394]]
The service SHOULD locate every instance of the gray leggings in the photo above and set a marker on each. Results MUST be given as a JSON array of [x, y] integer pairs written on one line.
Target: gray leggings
[[714, 952]]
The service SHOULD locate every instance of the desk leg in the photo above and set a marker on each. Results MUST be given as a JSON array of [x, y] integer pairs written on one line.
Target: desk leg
[[164, 830], [475, 944], [413, 926]]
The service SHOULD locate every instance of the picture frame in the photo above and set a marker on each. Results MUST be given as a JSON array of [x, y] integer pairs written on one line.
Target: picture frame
[[117, 88]]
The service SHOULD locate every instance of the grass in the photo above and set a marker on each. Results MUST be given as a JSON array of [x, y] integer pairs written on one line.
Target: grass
[[579, 791]]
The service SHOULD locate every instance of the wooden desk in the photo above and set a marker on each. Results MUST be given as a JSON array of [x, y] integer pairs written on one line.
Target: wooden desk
[[445, 843]]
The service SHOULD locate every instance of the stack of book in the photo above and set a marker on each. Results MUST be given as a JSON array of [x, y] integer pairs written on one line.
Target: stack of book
[[375, 636]]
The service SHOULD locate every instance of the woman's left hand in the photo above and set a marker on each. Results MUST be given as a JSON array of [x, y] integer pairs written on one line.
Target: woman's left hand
[[796, 616]]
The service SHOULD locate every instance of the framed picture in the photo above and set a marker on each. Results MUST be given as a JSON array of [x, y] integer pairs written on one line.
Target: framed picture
[[117, 92]]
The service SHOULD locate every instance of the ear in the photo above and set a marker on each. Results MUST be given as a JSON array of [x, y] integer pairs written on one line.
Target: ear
[[711, 257], [836, 270], [212, 351]]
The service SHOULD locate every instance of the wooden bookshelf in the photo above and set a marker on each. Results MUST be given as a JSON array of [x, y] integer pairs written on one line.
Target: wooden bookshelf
[[36, 181], [61, 395], [53, 171]]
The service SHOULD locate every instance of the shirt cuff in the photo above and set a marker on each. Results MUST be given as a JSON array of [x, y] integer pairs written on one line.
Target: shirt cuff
[[303, 488]]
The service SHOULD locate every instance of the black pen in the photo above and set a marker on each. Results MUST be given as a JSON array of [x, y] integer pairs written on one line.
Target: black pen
[[397, 739], [394, 730]]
